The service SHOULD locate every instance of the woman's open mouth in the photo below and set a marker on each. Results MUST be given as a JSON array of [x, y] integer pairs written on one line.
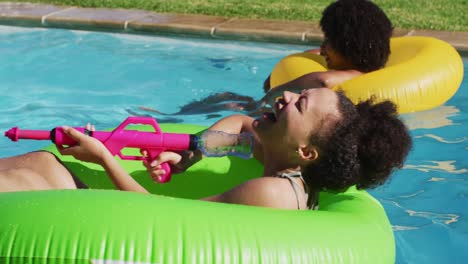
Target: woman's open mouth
[[270, 116], [278, 107]]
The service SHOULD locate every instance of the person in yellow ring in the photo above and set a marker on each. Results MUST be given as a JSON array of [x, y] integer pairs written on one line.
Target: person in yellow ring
[[356, 41]]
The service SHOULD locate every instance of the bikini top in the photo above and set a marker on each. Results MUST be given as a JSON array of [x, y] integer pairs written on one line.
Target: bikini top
[[312, 198]]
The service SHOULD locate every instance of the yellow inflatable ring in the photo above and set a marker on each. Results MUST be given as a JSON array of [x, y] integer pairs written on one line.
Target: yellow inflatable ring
[[421, 73]]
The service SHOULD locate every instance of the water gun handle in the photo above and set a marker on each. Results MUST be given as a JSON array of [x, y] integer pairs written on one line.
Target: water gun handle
[[152, 155], [115, 146]]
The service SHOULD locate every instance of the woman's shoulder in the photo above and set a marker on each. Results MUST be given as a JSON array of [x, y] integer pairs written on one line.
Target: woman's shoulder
[[264, 191]]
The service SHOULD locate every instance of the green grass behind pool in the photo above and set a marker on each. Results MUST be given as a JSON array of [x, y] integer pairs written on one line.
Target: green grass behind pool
[[447, 15]]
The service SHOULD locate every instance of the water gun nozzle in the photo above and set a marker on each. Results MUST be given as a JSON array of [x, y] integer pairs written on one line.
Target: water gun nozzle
[[12, 134]]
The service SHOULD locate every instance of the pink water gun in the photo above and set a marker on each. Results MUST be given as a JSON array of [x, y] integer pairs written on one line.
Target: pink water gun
[[152, 142]]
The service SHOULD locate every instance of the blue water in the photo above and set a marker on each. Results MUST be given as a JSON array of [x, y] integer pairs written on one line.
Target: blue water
[[52, 77]]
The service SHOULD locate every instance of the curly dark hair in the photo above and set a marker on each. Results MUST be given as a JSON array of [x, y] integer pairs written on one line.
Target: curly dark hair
[[359, 31], [363, 149]]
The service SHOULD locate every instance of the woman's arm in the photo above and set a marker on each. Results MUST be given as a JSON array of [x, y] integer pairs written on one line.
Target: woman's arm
[[236, 124], [327, 79], [92, 150], [233, 124], [121, 179]]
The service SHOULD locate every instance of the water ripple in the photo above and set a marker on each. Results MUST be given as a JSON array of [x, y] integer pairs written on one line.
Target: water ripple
[[158, 41], [403, 228], [441, 166], [411, 195], [435, 218], [441, 179], [442, 140], [9, 30]]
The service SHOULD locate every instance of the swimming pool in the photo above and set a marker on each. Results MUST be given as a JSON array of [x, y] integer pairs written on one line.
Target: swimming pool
[[52, 77]]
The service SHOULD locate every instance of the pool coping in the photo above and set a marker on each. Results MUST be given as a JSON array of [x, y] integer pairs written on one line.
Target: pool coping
[[147, 22]]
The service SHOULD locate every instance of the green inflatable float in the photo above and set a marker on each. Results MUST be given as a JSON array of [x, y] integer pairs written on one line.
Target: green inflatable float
[[171, 226]]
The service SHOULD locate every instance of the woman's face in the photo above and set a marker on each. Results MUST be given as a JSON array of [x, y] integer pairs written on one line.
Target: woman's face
[[335, 61], [297, 117]]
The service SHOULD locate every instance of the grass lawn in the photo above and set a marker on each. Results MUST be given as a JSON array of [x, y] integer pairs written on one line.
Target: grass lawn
[[450, 15]]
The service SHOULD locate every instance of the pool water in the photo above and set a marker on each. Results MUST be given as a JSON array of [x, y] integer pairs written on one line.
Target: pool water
[[53, 77]]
